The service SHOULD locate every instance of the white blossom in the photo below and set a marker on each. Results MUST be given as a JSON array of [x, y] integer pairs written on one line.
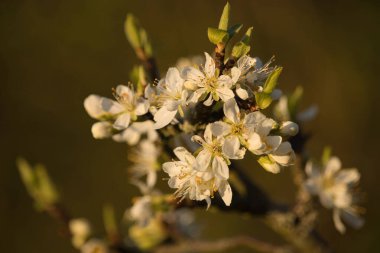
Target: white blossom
[[334, 187], [141, 212], [259, 141], [207, 82], [94, 246], [236, 126], [238, 74], [127, 107], [172, 96], [144, 159], [133, 134], [186, 177]]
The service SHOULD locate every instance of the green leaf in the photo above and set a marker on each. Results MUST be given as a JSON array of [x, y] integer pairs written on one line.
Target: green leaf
[[326, 154], [224, 19], [27, 176], [145, 42], [263, 100], [132, 31], [242, 47], [217, 36], [46, 188], [233, 30], [272, 80], [109, 220]]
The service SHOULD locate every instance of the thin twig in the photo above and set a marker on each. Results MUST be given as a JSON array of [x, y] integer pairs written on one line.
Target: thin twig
[[223, 245]]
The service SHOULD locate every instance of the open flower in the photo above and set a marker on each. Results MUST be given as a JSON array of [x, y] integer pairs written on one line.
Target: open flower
[[334, 187], [141, 212], [171, 97], [216, 152], [126, 107], [129, 106], [187, 179], [259, 141], [207, 82], [144, 160], [236, 126], [282, 156], [238, 74]]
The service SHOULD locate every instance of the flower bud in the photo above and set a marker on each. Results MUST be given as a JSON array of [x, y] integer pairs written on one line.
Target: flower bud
[[289, 128], [101, 130]]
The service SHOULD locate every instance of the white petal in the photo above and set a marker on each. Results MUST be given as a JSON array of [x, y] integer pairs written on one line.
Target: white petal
[[122, 121], [131, 135], [142, 106], [173, 79], [151, 178], [308, 114], [225, 93], [225, 81], [208, 134], [209, 67], [332, 166], [235, 74], [203, 160], [219, 166], [231, 110], [225, 192], [163, 117], [348, 176], [338, 222], [101, 130], [231, 147], [242, 93], [245, 63], [284, 154], [122, 90], [273, 142], [209, 100], [254, 142], [92, 104], [289, 128], [220, 128], [352, 219], [184, 155], [194, 97], [254, 118], [193, 75]]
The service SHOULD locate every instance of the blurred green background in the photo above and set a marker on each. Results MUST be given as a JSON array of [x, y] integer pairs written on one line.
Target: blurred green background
[[53, 53]]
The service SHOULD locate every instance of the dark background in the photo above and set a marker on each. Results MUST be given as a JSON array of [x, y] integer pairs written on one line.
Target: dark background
[[53, 53]]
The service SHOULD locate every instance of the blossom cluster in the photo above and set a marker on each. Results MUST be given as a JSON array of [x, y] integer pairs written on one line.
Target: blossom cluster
[[141, 119]]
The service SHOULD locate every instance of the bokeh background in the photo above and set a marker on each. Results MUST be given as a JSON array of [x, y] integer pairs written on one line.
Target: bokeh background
[[53, 53]]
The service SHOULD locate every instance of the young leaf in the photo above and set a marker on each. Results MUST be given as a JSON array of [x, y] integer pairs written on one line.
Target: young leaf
[[242, 47], [271, 82], [263, 99], [132, 31], [224, 19], [294, 101], [217, 36]]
